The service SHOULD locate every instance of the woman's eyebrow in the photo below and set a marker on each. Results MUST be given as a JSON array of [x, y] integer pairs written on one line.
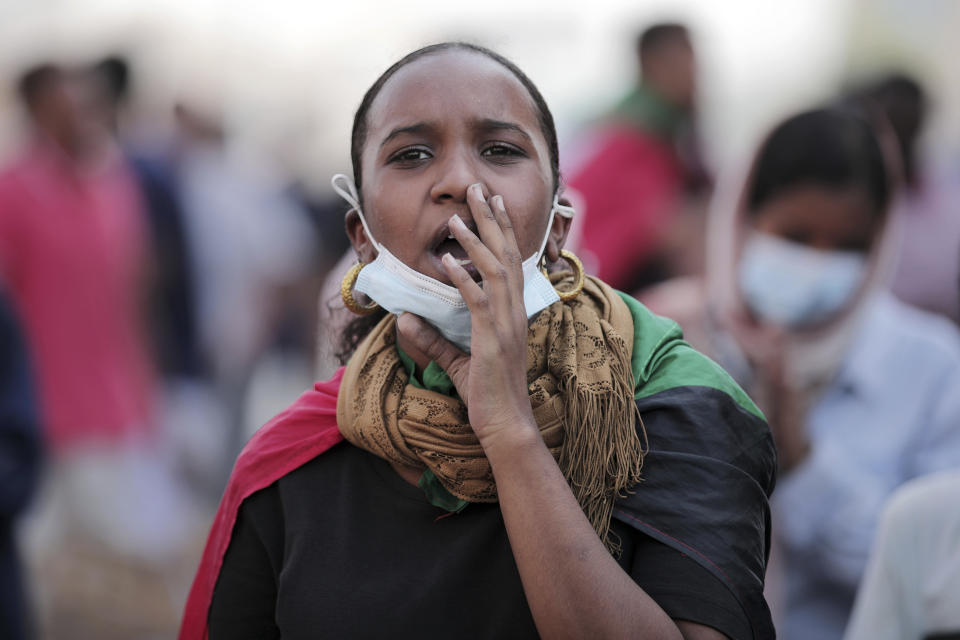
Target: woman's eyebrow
[[488, 125], [418, 128]]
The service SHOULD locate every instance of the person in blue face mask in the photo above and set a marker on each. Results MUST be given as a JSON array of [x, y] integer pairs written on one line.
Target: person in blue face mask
[[862, 392], [513, 448]]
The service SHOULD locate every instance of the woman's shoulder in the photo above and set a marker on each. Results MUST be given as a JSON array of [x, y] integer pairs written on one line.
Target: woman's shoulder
[[710, 465], [904, 348], [691, 407], [299, 433], [294, 437], [290, 441], [913, 332]]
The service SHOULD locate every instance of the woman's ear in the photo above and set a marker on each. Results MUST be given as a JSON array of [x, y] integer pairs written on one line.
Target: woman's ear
[[558, 233], [362, 245]]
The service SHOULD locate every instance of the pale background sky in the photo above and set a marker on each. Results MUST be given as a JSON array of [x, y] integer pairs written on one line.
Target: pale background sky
[[289, 73]]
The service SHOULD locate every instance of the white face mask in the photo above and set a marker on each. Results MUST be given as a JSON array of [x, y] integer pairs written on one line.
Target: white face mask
[[792, 285], [399, 288]]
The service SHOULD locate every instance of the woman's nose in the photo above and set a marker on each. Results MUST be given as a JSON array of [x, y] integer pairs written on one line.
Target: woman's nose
[[456, 174]]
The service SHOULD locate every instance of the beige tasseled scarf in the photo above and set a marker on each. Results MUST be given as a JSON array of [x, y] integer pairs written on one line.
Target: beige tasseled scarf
[[581, 390]]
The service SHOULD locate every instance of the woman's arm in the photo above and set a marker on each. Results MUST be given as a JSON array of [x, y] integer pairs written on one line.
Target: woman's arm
[[573, 585]]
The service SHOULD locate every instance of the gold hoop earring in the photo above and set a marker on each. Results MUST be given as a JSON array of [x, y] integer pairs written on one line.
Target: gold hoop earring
[[346, 292], [578, 276]]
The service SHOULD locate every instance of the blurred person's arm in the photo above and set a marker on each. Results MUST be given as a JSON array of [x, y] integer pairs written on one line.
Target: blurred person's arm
[[20, 445], [19, 430], [885, 599], [877, 615]]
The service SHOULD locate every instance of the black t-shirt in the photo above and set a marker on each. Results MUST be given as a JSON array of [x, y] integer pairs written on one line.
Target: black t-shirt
[[342, 547]]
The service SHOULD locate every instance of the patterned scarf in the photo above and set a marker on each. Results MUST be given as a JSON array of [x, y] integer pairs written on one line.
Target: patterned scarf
[[581, 389]]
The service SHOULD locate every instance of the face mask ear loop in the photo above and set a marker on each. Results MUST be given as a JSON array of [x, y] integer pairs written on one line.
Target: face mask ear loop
[[348, 191], [546, 236], [562, 209], [557, 208]]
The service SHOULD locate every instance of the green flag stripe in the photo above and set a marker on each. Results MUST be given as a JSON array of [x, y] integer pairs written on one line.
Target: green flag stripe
[[662, 360]]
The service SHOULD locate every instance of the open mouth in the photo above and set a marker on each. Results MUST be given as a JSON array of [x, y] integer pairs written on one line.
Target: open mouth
[[451, 246], [446, 243]]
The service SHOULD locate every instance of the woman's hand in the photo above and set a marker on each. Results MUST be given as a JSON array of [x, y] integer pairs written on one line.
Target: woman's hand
[[492, 379]]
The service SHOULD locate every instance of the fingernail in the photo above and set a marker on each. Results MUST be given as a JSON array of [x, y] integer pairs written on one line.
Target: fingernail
[[447, 259], [457, 221], [477, 189], [498, 202]]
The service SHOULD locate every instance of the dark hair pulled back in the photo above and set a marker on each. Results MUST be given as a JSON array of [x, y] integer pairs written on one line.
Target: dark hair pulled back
[[834, 147]]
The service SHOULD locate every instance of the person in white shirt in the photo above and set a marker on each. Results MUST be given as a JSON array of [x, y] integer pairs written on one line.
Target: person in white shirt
[[911, 590]]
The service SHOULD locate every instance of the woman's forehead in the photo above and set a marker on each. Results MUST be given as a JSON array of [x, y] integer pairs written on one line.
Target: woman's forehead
[[452, 86]]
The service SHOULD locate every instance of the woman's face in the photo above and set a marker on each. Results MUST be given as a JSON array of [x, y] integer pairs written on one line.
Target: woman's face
[[439, 125], [829, 219]]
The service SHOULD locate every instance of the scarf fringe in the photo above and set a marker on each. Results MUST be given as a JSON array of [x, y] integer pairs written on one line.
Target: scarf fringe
[[602, 454]]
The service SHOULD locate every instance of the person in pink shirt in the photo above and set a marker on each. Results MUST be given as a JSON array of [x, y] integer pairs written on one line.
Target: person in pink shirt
[[638, 167], [74, 256], [72, 252]]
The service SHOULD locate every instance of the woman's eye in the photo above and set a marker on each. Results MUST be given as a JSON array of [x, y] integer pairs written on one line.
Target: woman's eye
[[797, 236], [411, 155], [859, 243], [501, 150]]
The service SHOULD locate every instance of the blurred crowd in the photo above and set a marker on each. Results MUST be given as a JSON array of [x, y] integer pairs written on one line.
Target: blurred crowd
[[160, 299], [144, 288]]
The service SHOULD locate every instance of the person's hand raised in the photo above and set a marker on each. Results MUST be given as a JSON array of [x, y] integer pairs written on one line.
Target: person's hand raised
[[491, 380]]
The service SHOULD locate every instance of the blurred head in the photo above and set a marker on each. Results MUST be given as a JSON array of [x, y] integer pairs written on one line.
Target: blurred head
[[438, 121], [65, 106], [667, 63], [112, 79], [820, 180], [815, 207], [115, 74], [45, 97], [903, 102]]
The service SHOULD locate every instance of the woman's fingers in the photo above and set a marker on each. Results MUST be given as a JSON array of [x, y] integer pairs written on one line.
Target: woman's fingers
[[511, 252], [475, 297], [497, 277], [446, 354], [495, 228], [487, 226], [479, 254], [497, 306]]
